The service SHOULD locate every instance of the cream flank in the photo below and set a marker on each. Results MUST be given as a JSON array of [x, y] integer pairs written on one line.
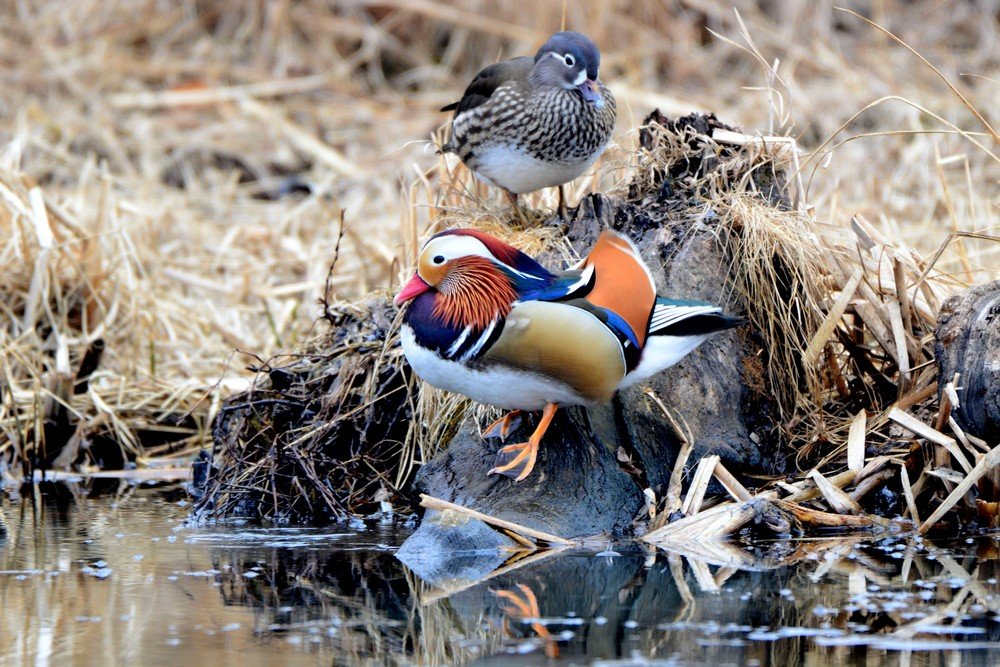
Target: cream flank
[[533, 362]]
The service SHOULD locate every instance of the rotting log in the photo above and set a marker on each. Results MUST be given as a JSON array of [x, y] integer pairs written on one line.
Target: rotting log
[[968, 345], [577, 489]]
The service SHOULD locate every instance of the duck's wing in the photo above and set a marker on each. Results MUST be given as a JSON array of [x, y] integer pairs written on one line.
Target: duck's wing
[[488, 80], [569, 343], [562, 286], [689, 318], [675, 330]]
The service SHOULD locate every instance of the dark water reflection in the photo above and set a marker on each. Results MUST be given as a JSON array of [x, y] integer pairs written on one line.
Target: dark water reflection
[[121, 578]]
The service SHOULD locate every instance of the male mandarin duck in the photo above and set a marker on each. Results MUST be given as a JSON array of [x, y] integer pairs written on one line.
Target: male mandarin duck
[[488, 321], [531, 123]]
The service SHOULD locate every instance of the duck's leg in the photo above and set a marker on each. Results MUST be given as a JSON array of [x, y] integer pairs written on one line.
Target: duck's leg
[[518, 211], [527, 608], [527, 452], [563, 210], [502, 426], [520, 608]]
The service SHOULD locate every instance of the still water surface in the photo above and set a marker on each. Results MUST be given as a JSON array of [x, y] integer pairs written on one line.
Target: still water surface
[[123, 579]]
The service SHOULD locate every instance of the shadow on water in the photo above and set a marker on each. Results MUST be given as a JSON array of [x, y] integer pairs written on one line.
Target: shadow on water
[[123, 577]]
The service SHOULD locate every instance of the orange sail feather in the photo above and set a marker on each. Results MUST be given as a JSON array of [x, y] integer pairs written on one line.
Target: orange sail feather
[[622, 283]]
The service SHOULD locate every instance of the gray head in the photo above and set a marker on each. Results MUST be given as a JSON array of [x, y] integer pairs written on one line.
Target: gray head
[[569, 60]]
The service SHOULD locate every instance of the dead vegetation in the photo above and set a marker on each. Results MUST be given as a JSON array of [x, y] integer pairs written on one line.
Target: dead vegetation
[[170, 183]]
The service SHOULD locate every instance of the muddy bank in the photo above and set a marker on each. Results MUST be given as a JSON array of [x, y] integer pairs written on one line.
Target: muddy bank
[[316, 437]]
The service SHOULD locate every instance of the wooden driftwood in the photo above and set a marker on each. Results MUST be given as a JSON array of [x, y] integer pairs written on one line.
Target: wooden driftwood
[[443, 505]]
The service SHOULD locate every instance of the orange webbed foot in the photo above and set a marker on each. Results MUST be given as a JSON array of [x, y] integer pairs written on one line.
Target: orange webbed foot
[[502, 427], [521, 465], [526, 452]]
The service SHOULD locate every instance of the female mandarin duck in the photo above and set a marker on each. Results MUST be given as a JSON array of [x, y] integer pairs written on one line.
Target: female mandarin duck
[[526, 124], [489, 322]]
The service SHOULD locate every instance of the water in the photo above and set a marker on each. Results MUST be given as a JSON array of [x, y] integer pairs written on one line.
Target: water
[[121, 578]]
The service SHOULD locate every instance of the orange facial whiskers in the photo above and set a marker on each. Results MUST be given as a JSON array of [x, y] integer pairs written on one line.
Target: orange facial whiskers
[[473, 294]]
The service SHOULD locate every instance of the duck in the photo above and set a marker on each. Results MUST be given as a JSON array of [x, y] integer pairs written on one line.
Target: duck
[[526, 123], [487, 321]]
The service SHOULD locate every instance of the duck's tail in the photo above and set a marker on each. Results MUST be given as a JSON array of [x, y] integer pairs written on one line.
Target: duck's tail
[[676, 329]]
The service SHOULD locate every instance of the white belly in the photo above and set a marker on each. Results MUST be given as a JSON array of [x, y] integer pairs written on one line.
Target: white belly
[[502, 387], [518, 172]]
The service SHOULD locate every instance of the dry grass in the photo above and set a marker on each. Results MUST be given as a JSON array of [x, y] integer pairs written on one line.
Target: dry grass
[[777, 273], [170, 177]]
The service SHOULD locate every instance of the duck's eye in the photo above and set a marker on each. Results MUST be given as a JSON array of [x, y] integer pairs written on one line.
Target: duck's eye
[[438, 259], [569, 60]]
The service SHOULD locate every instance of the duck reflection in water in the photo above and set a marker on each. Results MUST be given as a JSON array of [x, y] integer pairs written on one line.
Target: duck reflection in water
[[524, 607]]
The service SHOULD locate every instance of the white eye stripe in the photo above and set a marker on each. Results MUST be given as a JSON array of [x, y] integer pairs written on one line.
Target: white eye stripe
[[565, 58], [454, 246], [580, 78]]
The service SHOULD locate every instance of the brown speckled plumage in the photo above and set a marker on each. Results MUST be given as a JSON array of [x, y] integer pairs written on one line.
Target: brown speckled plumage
[[524, 124]]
